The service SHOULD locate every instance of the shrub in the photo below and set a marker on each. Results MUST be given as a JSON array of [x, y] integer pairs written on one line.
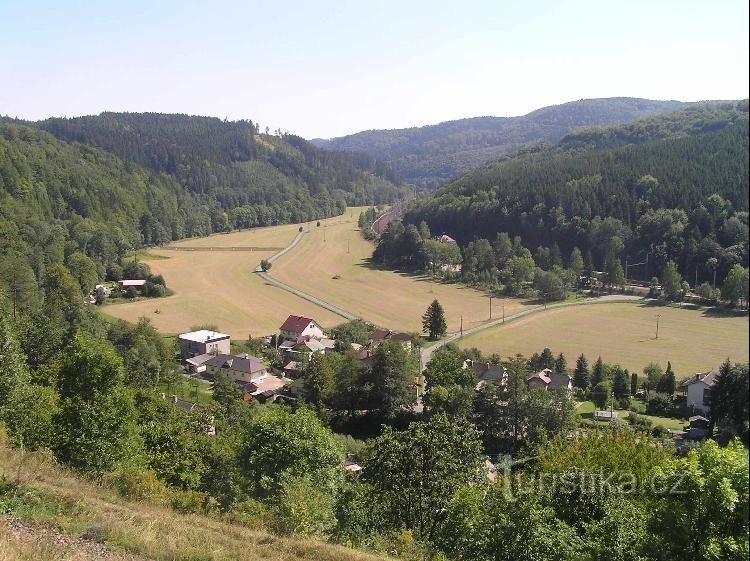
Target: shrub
[[265, 264], [303, 509], [250, 513], [661, 405], [659, 431], [138, 484], [189, 501]]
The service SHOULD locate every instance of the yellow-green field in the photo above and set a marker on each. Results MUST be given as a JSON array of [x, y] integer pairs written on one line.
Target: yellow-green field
[[623, 333], [331, 262], [215, 284], [219, 288]]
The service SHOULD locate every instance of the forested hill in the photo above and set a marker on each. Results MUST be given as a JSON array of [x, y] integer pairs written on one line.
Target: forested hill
[[163, 178], [427, 156], [233, 162], [675, 185]]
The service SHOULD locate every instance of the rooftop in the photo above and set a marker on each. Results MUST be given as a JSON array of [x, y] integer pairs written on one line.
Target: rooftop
[[243, 363], [203, 336], [296, 324]]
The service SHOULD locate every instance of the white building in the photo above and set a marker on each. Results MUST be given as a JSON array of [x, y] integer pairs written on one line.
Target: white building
[[201, 342], [697, 388]]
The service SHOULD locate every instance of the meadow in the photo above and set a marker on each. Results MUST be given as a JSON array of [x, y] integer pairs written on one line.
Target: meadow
[[220, 288], [624, 333], [332, 263], [214, 283]]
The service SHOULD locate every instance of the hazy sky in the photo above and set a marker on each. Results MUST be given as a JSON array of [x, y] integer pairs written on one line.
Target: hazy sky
[[331, 68]]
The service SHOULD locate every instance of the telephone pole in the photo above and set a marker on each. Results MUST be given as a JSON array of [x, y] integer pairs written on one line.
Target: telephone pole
[[462, 326], [503, 311], [490, 306], [657, 325]]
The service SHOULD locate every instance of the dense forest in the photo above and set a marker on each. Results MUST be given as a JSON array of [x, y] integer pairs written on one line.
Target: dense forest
[[117, 182], [667, 190], [427, 156]]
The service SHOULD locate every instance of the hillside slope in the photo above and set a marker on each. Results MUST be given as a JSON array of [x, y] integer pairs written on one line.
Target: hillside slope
[[49, 514], [427, 156], [644, 187]]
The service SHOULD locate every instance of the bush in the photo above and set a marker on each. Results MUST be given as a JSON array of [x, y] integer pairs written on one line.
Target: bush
[[639, 422], [303, 509], [661, 405], [138, 485], [265, 264], [659, 431], [190, 502], [250, 513]]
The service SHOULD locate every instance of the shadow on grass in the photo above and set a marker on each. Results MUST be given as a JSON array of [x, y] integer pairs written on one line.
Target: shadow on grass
[[707, 311]]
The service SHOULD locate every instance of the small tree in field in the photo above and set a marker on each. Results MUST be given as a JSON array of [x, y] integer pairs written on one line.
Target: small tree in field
[[265, 264], [433, 321]]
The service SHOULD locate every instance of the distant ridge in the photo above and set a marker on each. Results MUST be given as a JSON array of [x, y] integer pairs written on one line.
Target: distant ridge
[[427, 156]]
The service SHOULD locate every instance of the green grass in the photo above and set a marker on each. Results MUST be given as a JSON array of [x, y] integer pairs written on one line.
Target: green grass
[[188, 390], [586, 410]]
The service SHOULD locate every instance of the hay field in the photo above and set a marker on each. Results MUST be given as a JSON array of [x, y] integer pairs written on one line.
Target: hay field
[[393, 300], [220, 288], [623, 333]]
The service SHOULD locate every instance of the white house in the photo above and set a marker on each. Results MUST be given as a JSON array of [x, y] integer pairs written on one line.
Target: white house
[[298, 328], [203, 342], [698, 390]]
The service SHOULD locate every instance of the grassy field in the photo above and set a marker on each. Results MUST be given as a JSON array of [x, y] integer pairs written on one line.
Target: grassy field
[[214, 283], [332, 263], [49, 514], [220, 288], [693, 340]]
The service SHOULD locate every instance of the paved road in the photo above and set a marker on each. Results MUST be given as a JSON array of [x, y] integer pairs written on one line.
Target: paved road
[[304, 295], [451, 337]]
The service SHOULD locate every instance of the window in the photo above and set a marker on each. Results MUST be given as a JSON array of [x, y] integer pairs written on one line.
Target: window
[[707, 396]]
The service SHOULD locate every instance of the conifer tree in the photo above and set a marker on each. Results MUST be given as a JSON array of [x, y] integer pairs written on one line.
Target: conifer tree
[[597, 373], [581, 374], [433, 321]]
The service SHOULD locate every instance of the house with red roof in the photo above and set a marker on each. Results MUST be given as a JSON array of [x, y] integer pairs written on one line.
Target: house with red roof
[[299, 328]]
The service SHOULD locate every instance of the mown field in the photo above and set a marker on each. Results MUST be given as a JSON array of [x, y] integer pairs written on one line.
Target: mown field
[[221, 288], [693, 340], [214, 283], [332, 262]]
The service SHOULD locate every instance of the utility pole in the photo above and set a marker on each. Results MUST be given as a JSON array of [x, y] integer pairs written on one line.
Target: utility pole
[[462, 326], [503, 311], [657, 325], [626, 268], [490, 306], [611, 407]]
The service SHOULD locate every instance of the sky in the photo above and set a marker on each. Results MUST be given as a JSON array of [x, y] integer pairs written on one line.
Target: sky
[[329, 68]]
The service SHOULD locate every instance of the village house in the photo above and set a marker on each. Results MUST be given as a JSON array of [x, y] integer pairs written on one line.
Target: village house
[[244, 368], [447, 239], [381, 335], [201, 342], [697, 390], [189, 407], [297, 328], [549, 380], [265, 388], [487, 372]]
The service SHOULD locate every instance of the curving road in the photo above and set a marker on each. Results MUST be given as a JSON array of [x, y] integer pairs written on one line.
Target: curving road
[[426, 352], [304, 295]]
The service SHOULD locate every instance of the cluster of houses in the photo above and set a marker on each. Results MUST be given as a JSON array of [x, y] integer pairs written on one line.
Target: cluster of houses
[[208, 353]]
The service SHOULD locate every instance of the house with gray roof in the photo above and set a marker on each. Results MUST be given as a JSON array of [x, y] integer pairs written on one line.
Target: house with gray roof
[[243, 368]]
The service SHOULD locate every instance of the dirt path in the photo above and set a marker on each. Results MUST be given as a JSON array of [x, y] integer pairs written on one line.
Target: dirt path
[[304, 295]]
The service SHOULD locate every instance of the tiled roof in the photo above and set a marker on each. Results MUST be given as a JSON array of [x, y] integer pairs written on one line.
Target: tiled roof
[[296, 324], [246, 363], [708, 378]]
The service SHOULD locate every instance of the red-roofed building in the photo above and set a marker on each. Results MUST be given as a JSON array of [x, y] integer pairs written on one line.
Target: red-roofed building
[[298, 328]]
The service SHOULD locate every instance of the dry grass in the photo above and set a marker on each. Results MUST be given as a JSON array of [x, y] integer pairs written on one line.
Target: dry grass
[[624, 333], [57, 503], [219, 288], [388, 299]]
